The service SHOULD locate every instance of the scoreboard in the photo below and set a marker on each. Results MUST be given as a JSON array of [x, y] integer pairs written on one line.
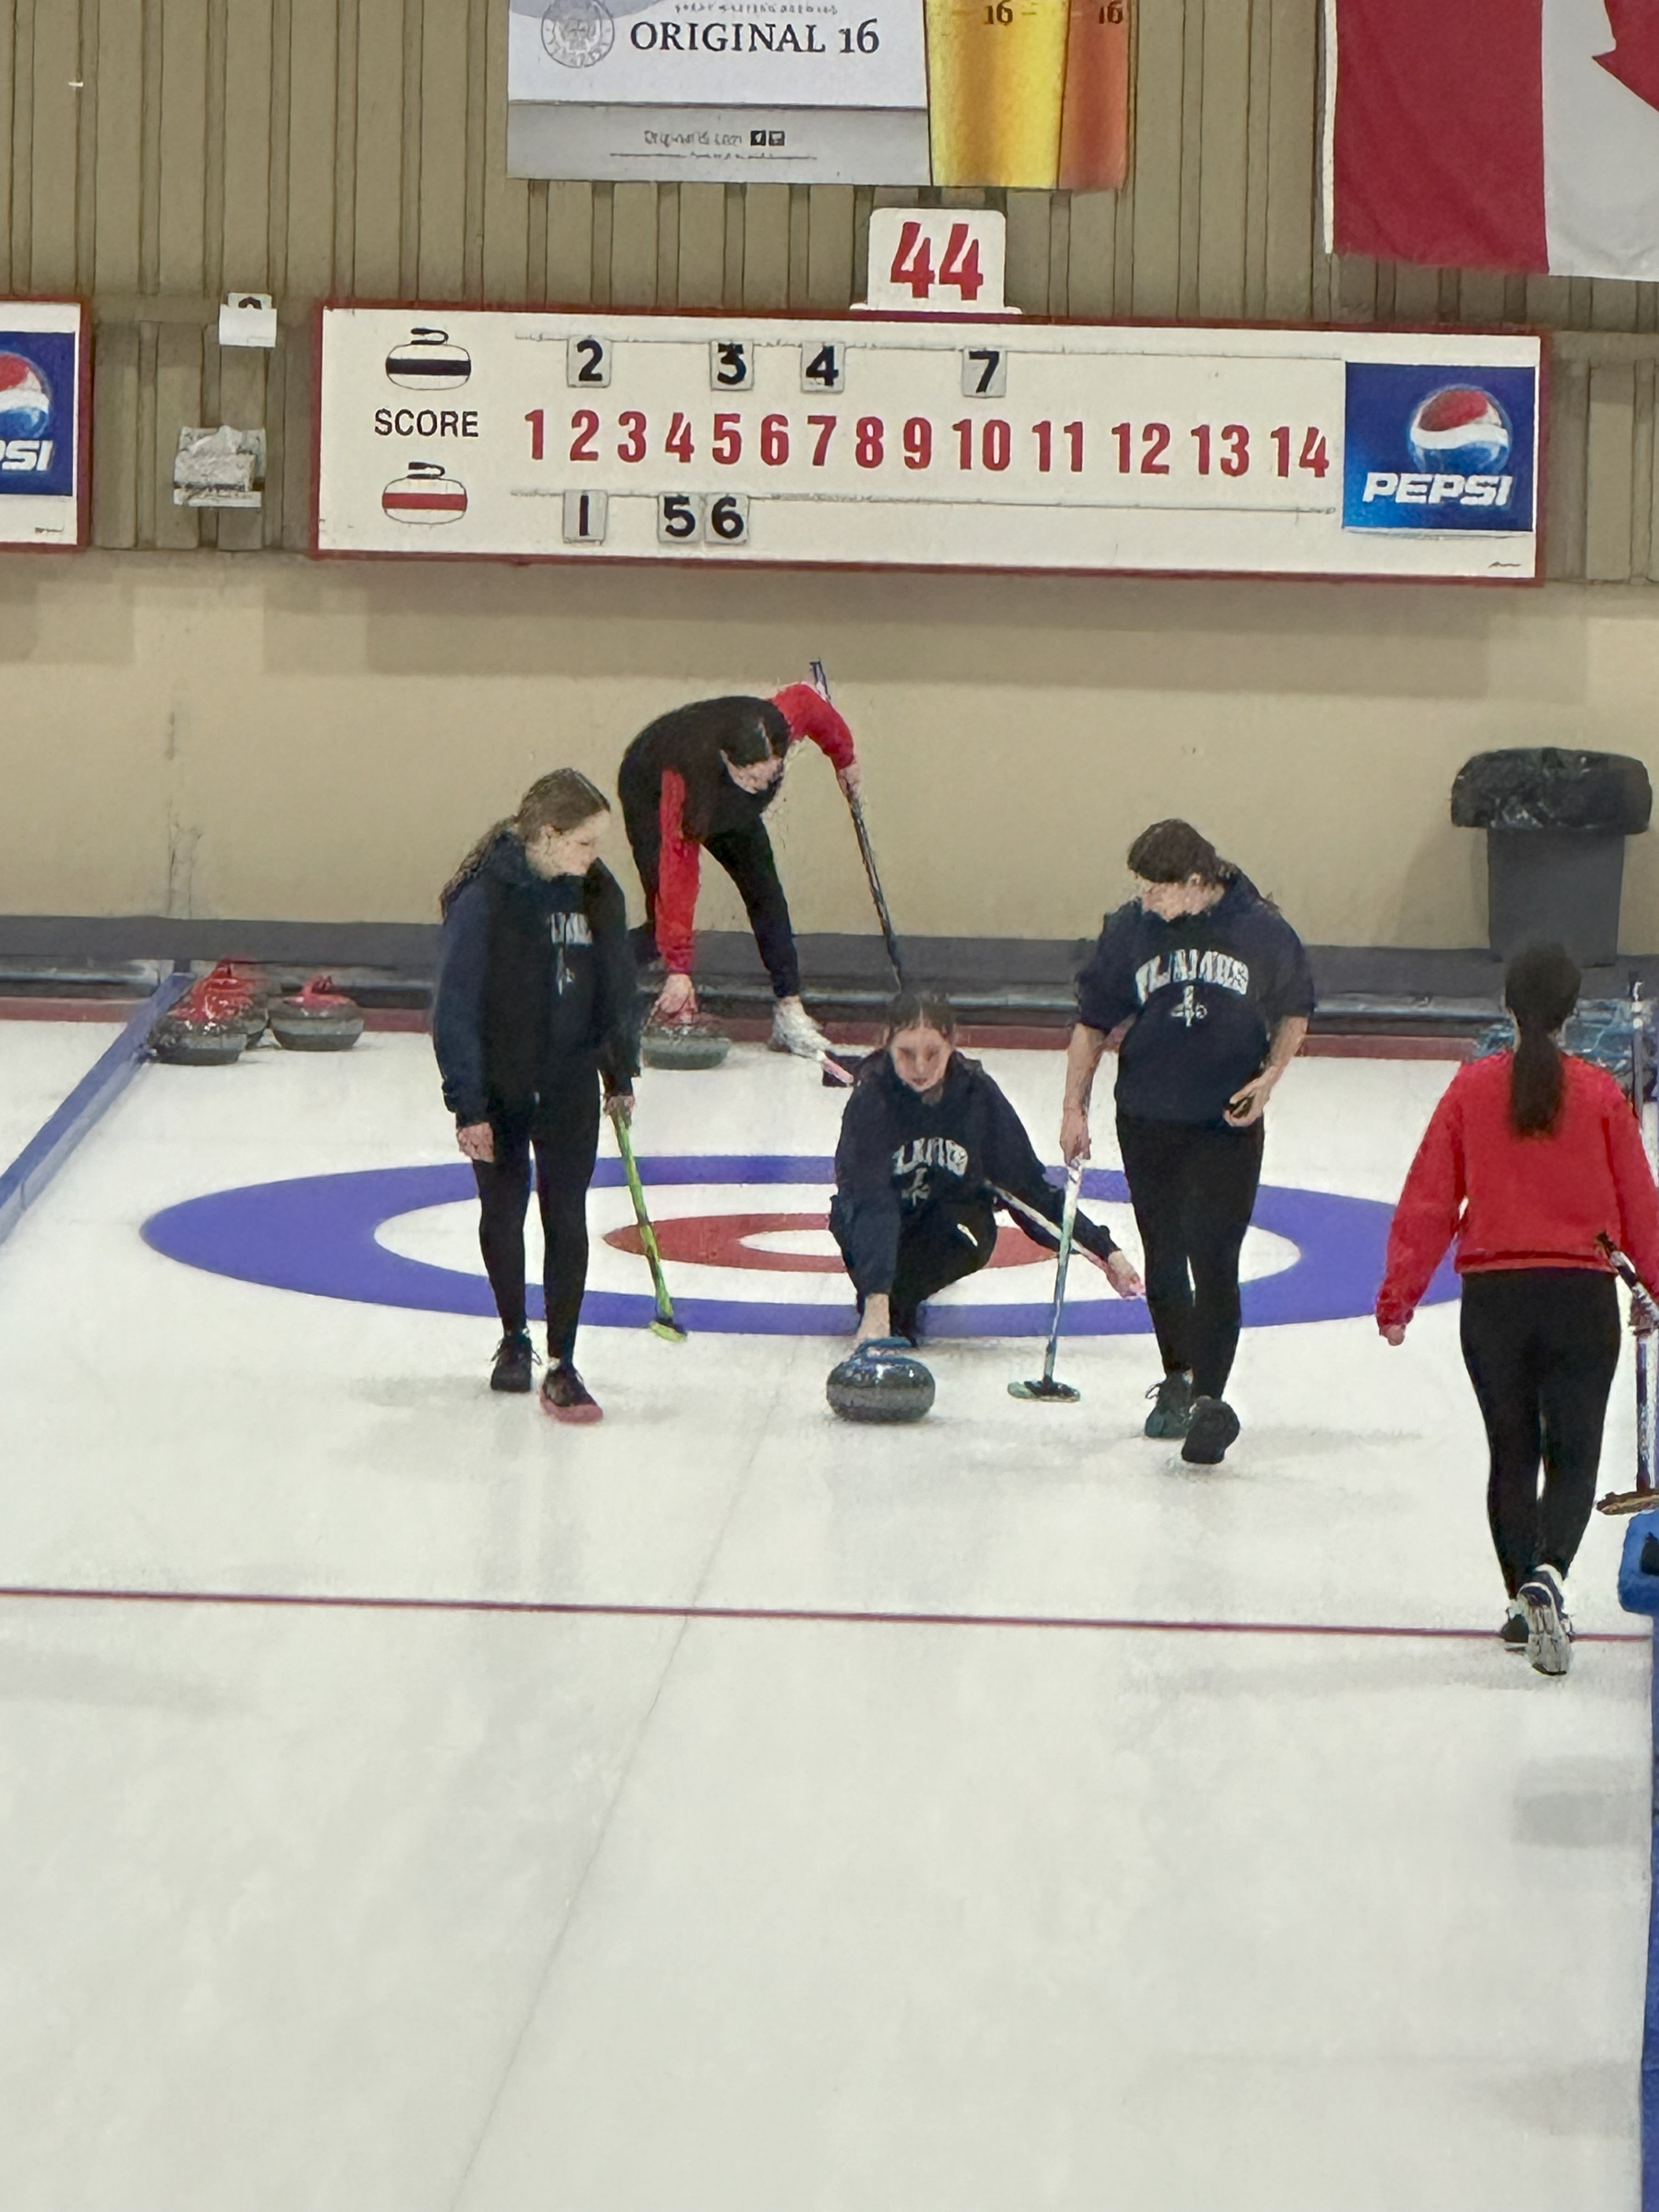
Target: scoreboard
[[927, 442]]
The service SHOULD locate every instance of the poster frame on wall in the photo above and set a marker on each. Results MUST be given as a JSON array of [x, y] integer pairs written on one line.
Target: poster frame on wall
[[80, 328], [1457, 333]]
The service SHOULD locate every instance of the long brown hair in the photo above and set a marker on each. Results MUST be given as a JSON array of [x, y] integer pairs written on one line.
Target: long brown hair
[[562, 800], [1540, 989]]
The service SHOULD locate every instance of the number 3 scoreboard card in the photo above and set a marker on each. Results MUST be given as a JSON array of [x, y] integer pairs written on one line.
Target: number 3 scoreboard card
[[916, 442]]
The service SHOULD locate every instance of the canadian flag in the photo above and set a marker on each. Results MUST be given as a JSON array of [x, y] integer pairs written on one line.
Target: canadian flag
[[1495, 134]]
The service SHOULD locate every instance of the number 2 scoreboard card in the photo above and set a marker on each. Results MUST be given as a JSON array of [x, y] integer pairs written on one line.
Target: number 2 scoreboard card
[[927, 442]]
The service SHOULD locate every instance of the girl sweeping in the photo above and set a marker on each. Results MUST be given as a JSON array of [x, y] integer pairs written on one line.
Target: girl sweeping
[[1532, 1156], [534, 1012], [701, 779], [930, 1148]]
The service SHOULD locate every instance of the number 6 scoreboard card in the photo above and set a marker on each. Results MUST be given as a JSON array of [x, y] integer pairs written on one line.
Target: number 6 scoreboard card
[[914, 442]]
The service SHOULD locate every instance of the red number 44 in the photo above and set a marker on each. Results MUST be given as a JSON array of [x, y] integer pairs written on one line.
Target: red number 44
[[913, 263]]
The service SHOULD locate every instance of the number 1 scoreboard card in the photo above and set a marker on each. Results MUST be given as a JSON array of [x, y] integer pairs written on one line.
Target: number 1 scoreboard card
[[927, 442]]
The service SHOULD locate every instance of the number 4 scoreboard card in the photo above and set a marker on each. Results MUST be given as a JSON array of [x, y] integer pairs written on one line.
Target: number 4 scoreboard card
[[915, 442]]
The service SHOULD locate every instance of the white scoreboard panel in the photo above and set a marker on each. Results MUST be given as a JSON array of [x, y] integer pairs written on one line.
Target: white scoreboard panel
[[922, 442]]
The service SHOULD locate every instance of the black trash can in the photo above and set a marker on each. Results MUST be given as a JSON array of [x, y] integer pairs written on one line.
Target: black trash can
[[1556, 823]]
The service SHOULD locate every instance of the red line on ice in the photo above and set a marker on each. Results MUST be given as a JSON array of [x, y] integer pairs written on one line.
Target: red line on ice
[[321, 1601]]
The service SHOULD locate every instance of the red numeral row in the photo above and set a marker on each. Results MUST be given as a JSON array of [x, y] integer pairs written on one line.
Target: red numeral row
[[1227, 450], [986, 443]]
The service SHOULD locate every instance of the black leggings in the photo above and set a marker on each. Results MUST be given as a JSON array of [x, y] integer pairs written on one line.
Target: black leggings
[[564, 1133], [938, 1245], [746, 856], [1193, 1186], [1541, 1345]]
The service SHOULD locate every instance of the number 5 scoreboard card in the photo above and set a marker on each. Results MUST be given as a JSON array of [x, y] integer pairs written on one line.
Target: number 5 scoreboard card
[[912, 442]]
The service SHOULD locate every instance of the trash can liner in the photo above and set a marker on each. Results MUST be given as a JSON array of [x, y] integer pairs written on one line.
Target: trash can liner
[[1547, 787]]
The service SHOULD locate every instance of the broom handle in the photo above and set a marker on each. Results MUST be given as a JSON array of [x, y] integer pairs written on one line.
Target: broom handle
[[855, 807], [1067, 1228], [648, 1234]]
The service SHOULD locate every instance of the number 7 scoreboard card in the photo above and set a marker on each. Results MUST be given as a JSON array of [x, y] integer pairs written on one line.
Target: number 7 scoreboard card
[[929, 443]]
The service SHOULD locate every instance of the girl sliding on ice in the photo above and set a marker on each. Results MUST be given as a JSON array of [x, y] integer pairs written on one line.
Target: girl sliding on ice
[[930, 1148]]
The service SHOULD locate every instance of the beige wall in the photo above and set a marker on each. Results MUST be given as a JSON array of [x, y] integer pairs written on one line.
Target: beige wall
[[273, 737]]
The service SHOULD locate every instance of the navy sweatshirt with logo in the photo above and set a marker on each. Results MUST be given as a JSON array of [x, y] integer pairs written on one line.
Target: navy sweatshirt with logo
[[899, 1155], [536, 987], [1202, 996]]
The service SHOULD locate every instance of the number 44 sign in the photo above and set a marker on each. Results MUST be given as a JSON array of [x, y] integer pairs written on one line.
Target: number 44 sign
[[937, 261]]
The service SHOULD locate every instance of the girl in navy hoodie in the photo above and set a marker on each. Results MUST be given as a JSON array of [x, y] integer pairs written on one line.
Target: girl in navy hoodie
[[930, 1148], [533, 1012], [1210, 985]]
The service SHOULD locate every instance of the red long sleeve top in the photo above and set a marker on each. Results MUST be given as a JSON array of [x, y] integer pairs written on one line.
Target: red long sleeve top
[[1510, 1201], [809, 714]]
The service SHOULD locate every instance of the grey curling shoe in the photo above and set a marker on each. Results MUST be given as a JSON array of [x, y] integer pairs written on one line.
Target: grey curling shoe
[[1172, 1415]]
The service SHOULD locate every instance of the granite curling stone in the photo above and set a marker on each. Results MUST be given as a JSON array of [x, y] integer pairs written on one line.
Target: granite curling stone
[[318, 1018], [695, 1041], [206, 1027], [883, 1381]]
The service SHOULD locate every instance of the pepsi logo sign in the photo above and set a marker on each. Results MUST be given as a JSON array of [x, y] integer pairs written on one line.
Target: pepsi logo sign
[[25, 398], [1446, 449], [1461, 428]]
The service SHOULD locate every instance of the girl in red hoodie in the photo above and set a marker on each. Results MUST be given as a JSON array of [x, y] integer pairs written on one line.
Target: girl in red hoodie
[[1530, 1158], [701, 779]]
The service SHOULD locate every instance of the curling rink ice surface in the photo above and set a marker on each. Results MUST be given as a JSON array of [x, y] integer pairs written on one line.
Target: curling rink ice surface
[[710, 1905]]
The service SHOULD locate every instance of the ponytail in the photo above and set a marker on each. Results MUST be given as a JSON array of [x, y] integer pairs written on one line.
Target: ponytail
[[1540, 989], [563, 801]]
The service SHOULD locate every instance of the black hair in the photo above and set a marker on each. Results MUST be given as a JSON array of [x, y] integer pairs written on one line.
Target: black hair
[[920, 1010], [1169, 852], [1540, 989]]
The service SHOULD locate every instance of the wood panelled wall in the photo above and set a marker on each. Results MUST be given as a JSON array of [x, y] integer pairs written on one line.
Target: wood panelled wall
[[162, 151]]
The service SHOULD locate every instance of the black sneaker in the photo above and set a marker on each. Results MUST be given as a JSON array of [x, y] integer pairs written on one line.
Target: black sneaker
[[1214, 1425], [1172, 1415], [514, 1358], [565, 1397], [906, 1321], [1514, 1633]]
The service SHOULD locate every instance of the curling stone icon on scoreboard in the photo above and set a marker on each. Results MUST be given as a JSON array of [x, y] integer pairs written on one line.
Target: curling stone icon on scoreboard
[[427, 494], [429, 360]]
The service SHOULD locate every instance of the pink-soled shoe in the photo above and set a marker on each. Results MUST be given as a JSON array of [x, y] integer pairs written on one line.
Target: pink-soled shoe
[[565, 1397]]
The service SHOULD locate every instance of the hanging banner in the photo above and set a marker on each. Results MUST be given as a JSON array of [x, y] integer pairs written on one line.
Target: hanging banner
[[1023, 93], [43, 360], [942, 442]]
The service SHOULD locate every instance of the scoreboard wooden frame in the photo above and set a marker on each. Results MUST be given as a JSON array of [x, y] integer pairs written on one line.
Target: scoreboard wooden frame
[[934, 441]]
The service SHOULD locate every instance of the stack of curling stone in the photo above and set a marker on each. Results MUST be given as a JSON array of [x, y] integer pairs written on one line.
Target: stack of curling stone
[[317, 1018], [209, 1025], [239, 987], [687, 1040], [883, 1381]]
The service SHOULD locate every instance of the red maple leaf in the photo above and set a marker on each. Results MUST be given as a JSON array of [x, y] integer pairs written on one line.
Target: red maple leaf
[[1634, 59]]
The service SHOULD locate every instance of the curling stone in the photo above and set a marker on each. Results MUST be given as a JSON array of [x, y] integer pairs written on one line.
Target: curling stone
[[318, 1018], [883, 1381], [206, 1028], [695, 1041], [233, 992], [187, 1040]]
